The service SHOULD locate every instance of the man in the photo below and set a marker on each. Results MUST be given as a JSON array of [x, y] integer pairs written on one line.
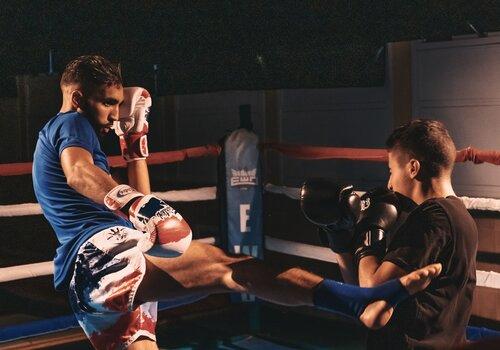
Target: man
[[437, 228], [105, 228]]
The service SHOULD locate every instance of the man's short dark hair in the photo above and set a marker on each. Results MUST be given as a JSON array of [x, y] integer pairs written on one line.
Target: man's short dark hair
[[427, 141], [91, 71]]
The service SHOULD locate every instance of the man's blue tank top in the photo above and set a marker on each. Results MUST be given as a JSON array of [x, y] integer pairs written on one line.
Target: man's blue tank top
[[74, 217]]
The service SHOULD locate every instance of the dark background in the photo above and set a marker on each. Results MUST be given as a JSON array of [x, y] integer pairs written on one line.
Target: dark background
[[220, 45]]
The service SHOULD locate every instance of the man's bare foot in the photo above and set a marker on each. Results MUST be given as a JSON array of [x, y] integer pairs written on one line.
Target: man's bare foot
[[418, 280], [378, 313]]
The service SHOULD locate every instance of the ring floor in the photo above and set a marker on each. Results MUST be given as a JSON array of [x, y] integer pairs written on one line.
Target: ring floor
[[259, 326]]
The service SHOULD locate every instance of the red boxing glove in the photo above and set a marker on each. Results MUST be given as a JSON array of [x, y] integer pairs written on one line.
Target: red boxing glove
[[132, 126], [169, 235]]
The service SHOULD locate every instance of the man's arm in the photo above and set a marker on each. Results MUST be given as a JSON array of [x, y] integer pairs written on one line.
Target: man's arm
[[84, 176], [168, 236], [132, 129], [138, 176]]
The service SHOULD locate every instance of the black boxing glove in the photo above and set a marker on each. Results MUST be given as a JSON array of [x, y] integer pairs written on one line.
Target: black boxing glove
[[334, 208], [379, 212]]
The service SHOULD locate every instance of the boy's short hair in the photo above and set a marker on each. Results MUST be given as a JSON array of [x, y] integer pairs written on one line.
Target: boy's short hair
[[90, 71], [427, 141]]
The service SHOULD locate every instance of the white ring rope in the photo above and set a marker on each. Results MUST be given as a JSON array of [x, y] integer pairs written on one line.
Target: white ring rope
[[191, 195], [488, 279], [46, 268], [20, 272], [481, 203], [300, 249], [20, 209]]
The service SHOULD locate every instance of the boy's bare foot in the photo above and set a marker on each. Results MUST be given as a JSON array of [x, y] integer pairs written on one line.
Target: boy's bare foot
[[378, 313]]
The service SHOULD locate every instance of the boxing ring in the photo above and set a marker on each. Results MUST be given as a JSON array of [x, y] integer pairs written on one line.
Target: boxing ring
[[281, 201]]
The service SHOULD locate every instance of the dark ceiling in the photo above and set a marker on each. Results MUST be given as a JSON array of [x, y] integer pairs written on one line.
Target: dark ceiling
[[219, 45]]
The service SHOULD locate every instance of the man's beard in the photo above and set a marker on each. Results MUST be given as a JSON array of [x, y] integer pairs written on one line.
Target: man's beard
[[98, 127]]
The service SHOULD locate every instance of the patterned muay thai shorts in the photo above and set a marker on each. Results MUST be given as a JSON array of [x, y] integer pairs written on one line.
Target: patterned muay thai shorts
[[108, 270]]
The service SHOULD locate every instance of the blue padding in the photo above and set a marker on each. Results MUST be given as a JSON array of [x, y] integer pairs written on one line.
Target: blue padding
[[170, 304], [254, 343], [62, 323], [37, 328], [58, 324], [478, 333]]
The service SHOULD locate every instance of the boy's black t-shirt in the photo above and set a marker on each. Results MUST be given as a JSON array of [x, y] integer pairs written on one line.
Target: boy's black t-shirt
[[439, 230]]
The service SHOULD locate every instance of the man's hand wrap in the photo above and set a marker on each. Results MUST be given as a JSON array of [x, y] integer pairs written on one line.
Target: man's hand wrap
[[379, 212], [169, 235], [334, 208], [132, 126]]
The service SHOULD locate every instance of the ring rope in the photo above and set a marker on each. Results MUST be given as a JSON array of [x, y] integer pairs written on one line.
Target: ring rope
[[475, 155], [156, 158], [190, 195], [323, 152], [46, 268], [472, 154]]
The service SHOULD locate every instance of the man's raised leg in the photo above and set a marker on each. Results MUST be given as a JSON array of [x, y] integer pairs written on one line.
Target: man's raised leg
[[205, 269]]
